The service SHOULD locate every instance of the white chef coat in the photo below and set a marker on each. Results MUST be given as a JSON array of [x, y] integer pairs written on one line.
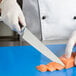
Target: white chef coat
[[31, 12], [57, 18]]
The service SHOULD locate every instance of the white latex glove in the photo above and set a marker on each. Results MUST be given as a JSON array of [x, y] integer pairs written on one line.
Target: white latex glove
[[70, 45], [11, 15]]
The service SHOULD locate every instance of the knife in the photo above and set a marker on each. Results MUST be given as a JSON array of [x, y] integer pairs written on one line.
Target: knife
[[31, 39]]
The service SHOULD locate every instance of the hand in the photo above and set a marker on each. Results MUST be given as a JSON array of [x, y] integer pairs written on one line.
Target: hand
[[70, 45], [11, 15]]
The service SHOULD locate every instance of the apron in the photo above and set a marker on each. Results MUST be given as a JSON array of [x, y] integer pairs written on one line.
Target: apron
[[58, 18]]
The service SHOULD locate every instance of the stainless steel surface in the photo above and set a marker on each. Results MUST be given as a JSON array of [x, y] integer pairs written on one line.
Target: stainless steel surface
[[12, 43], [5, 30], [6, 33], [49, 42], [31, 39]]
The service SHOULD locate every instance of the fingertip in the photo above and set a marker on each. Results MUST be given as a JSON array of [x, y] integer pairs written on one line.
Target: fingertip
[[67, 55]]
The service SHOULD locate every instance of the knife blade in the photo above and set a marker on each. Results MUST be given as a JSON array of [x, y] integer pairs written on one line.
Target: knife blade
[[37, 44]]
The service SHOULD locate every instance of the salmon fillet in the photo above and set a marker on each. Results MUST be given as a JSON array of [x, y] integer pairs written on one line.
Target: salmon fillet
[[52, 66]]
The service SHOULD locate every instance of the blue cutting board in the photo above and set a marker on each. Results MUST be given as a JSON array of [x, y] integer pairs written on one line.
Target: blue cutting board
[[22, 60]]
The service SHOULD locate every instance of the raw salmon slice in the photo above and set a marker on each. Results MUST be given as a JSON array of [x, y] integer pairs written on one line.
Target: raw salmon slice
[[56, 66], [50, 67], [42, 68]]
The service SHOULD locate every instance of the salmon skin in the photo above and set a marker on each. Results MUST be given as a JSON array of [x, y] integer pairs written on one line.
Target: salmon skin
[[52, 66]]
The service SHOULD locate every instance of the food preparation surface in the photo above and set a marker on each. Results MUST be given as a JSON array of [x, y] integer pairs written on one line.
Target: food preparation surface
[[22, 61]]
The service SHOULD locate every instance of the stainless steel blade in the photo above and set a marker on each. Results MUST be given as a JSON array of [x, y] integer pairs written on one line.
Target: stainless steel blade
[[31, 39]]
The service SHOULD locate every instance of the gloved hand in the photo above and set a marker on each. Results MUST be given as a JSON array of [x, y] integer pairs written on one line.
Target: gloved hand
[[70, 45], [11, 15]]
